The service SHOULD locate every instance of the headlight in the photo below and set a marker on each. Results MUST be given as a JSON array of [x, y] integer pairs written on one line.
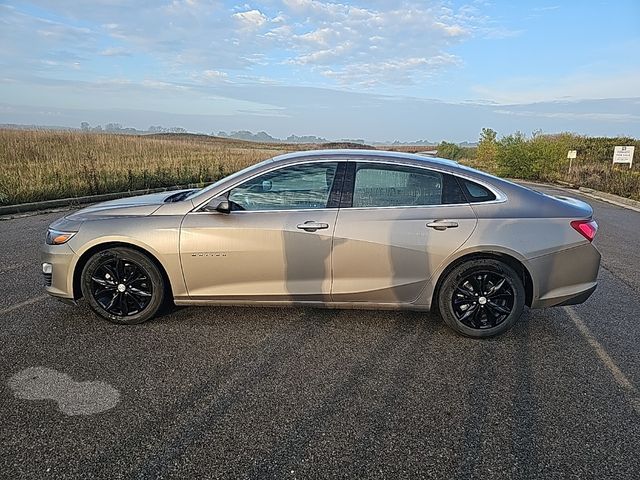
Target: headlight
[[56, 237]]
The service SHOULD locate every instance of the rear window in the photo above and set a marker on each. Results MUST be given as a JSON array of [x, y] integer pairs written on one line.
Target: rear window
[[476, 192]]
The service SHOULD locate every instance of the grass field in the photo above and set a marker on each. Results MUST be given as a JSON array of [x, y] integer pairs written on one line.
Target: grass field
[[45, 165]]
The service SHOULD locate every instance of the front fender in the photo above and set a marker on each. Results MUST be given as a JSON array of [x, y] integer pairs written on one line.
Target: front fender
[[157, 236]]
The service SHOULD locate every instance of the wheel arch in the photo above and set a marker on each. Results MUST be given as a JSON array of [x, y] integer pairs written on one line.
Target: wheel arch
[[518, 266], [87, 254]]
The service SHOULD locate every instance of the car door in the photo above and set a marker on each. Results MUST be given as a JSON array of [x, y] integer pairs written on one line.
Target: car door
[[274, 245], [395, 227]]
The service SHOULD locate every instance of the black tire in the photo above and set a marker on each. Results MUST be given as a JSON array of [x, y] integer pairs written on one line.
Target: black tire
[[481, 298], [123, 285]]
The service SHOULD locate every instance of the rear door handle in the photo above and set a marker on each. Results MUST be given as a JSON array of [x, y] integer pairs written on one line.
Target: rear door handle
[[442, 224], [311, 226]]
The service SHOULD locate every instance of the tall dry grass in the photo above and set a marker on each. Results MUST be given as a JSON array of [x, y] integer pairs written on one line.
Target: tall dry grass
[[43, 165]]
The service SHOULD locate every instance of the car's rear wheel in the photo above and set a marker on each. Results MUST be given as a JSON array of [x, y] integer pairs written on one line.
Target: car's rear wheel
[[481, 298], [123, 285]]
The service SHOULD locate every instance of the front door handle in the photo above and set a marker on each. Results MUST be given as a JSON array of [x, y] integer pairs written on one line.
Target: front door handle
[[442, 224], [311, 226]]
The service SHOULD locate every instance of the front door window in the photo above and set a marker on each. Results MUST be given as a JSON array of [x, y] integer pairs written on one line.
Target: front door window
[[296, 187]]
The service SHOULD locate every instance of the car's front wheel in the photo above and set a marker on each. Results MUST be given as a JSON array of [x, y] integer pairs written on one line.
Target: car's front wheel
[[481, 298], [123, 285]]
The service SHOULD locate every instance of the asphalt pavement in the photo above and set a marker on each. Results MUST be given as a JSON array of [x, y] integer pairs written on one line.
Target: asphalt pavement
[[229, 392]]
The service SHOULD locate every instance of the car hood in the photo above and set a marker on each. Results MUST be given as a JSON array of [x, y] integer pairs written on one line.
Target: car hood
[[142, 205]]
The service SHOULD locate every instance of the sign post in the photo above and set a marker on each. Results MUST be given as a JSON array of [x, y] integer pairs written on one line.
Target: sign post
[[623, 155], [571, 154]]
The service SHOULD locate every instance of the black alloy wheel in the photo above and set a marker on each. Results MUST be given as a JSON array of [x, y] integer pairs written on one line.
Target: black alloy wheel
[[481, 298], [123, 285]]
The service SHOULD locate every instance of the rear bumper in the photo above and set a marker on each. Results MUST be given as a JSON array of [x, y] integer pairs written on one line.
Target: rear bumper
[[580, 298], [567, 277]]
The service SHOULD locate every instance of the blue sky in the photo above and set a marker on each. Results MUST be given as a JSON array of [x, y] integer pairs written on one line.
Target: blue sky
[[378, 70]]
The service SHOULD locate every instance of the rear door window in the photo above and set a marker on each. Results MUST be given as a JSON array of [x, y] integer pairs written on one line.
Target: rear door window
[[380, 185], [391, 186]]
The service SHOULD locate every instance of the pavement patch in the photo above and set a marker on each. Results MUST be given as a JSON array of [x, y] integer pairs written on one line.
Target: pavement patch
[[73, 398], [620, 378]]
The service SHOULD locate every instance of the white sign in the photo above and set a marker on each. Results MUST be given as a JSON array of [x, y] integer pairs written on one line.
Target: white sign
[[623, 155], [572, 154]]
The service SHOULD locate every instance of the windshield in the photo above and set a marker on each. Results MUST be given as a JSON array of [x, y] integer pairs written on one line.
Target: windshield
[[228, 177]]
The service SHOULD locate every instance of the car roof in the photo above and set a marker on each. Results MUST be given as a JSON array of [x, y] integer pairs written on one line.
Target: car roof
[[359, 153]]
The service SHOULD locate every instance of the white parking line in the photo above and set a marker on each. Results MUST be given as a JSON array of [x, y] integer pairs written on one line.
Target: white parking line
[[15, 306], [620, 378]]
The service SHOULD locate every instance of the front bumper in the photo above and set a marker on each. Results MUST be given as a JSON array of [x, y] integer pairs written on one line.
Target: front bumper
[[567, 277], [62, 259]]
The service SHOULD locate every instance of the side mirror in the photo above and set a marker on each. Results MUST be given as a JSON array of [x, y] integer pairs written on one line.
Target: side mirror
[[218, 204]]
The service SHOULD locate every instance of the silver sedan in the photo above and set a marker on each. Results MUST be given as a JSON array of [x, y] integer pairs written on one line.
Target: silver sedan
[[335, 228]]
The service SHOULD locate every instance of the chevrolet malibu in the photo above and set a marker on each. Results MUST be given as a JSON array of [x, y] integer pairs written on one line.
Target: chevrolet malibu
[[334, 228]]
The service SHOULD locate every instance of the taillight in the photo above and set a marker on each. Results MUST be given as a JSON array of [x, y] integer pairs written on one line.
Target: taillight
[[587, 228]]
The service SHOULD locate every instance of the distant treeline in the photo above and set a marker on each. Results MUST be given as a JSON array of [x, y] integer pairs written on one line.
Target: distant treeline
[[266, 138], [247, 135], [117, 128]]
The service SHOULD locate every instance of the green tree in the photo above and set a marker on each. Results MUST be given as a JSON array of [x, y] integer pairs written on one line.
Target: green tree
[[450, 151], [513, 158], [488, 135], [487, 149]]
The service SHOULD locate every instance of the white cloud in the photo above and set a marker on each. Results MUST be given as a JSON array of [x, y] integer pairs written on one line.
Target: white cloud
[[321, 36], [399, 71], [115, 52], [161, 85], [211, 77], [452, 30], [546, 9], [62, 65], [608, 84], [251, 18], [325, 41], [214, 74], [591, 116], [375, 45], [323, 57]]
